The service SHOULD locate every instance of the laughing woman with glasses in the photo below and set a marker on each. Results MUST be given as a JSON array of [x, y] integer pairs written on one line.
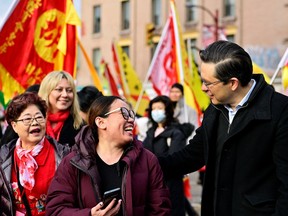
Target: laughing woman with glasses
[[106, 157], [28, 163]]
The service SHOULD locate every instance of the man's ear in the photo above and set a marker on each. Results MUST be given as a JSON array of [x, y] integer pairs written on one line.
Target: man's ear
[[100, 122], [234, 83]]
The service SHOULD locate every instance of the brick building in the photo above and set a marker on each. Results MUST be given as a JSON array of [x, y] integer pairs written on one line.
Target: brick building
[[260, 26]]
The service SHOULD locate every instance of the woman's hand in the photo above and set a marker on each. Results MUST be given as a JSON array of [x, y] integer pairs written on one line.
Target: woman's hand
[[108, 211]]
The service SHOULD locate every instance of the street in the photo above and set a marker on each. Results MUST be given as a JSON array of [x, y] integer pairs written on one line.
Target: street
[[196, 190]]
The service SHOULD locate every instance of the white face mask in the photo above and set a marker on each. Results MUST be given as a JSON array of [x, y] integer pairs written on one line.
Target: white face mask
[[158, 115]]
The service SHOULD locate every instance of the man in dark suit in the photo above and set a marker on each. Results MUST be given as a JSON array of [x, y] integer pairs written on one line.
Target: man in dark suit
[[243, 140]]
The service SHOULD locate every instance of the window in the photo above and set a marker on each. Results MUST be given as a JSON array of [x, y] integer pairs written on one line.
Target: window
[[230, 38], [191, 46], [125, 8], [229, 8], [126, 49], [78, 62], [156, 12], [153, 49], [190, 11], [96, 19], [96, 58]]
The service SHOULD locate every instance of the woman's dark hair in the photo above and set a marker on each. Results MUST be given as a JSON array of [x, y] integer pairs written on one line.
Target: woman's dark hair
[[231, 61], [100, 107], [33, 88], [169, 110], [20, 102], [178, 86], [86, 96]]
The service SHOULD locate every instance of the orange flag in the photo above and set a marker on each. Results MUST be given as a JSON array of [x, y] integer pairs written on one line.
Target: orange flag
[[34, 41], [93, 72]]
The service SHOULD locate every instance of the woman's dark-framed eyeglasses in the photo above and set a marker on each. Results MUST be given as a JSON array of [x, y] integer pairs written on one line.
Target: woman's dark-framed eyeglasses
[[28, 121], [124, 111]]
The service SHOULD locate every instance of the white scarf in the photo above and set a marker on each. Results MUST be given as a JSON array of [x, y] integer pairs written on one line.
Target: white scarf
[[28, 165]]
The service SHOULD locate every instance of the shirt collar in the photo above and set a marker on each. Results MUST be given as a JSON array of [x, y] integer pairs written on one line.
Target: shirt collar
[[245, 98]]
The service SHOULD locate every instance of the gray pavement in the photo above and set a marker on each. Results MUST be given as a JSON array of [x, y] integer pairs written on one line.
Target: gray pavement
[[196, 191]]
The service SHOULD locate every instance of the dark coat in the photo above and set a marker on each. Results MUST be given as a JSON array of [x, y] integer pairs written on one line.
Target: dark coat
[[6, 155], [251, 176], [172, 139], [68, 132], [142, 181]]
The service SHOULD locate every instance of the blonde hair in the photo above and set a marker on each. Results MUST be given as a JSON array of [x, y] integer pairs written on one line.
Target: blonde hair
[[50, 82]]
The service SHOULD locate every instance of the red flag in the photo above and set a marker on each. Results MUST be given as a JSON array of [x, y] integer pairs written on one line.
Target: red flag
[[33, 42], [112, 82], [163, 69], [116, 63]]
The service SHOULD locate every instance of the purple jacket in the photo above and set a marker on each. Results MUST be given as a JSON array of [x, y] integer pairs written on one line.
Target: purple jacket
[[143, 188]]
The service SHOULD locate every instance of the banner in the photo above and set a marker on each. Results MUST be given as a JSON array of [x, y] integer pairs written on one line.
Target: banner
[[33, 42], [163, 68]]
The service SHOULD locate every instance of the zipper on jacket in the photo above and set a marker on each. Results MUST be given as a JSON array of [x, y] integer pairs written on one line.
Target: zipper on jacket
[[229, 125], [96, 190], [228, 130], [123, 187]]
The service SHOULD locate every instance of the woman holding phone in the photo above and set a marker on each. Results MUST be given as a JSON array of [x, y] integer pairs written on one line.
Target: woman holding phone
[[106, 157]]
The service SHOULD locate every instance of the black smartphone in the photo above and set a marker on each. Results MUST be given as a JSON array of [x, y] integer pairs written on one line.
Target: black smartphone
[[110, 195]]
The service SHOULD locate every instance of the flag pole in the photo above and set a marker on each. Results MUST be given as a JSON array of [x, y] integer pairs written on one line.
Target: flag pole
[[92, 70], [150, 67], [274, 75], [179, 53], [281, 64]]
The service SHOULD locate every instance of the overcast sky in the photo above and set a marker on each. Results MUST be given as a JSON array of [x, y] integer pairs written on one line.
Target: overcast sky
[[4, 6]]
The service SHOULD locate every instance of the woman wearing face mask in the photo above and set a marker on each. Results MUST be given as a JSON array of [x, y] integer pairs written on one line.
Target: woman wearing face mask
[[163, 138]]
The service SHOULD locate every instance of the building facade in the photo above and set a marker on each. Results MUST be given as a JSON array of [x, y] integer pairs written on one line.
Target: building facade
[[260, 26]]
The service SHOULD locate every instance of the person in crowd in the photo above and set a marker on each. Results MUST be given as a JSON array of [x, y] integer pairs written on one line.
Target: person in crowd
[[63, 118], [163, 138], [104, 157], [86, 96], [142, 125], [28, 163], [9, 134], [184, 113], [242, 140]]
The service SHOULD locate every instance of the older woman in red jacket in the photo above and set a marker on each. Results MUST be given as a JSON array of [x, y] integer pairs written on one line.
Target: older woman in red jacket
[[28, 163], [105, 157]]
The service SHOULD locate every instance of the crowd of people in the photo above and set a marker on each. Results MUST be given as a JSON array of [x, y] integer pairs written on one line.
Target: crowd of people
[[64, 150]]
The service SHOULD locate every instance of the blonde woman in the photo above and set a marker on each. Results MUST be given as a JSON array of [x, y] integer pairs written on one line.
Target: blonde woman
[[63, 120]]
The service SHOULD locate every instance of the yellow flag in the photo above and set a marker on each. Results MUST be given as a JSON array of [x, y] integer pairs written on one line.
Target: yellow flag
[[132, 85], [194, 96], [285, 77], [258, 70]]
